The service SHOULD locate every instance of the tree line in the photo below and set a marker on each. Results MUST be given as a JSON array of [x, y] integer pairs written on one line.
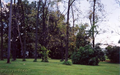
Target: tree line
[[36, 30], [29, 27]]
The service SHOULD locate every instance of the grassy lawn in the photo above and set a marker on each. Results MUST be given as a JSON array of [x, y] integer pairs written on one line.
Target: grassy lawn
[[55, 67]]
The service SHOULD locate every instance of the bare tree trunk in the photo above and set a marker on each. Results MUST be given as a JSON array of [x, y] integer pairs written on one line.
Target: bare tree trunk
[[44, 25], [20, 37], [24, 52], [67, 33], [14, 33], [1, 33], [23, 46], [93, 24], [36, 31], [18, 28], [73, 18], [9, 33], [23, 23]]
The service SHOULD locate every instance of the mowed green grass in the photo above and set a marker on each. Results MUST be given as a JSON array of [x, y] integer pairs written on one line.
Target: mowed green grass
[[55, 67]]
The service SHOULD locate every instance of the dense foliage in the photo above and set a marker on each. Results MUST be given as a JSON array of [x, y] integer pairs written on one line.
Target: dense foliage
[[87, 55], [81, 38], [44, 54], [51, 29], [113, 53], [99, 53], [67, 63], [57, 52], [40, 31]]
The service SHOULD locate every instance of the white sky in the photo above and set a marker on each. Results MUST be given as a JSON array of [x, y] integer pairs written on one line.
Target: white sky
[[112, 23]]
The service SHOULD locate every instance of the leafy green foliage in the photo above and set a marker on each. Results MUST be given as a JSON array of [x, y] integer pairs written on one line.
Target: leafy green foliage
[[87, 56], [44, 53], [48, 38], [67, 63], [82, 56], [81, 37], [84, 53], [113, 53], [99, 53]]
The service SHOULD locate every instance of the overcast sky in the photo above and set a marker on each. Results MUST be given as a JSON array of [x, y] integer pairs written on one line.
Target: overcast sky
[[108, 28]]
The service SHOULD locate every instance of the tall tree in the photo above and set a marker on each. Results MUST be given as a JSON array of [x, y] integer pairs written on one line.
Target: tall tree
[[43, 20], [37, 16], [67, 33], [9, 33], [1, 32], [97, 7], [93, 41], [14, 33], [23, 23]]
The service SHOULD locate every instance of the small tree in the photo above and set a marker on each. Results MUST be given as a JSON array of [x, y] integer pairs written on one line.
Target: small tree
[[44, 53], [81, 38]]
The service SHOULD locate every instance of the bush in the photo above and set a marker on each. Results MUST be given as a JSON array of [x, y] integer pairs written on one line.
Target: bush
[[99, 53], [44, 53], [87, 56], [67, 63], [113, 53], [93, 61], [82, 56]]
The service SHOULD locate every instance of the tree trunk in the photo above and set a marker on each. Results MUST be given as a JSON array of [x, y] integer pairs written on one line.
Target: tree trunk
[[62, 51], [20, 38], [23, 23], [36, 32], [44, 25], [14, 32], [24, 52], [67, 33], [73, 18], [1, 33], [23, 47], [9, 33], [93, 24]]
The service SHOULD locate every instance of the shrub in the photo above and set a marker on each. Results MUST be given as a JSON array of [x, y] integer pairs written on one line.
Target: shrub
[[82, 56], [44, 53], [93, 61], [113, 53], [99, 53], [67, 63], [87, 56]]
